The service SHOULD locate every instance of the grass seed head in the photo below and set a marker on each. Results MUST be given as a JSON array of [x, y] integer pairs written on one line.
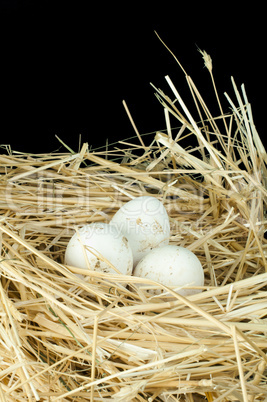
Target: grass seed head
[[207, 59]]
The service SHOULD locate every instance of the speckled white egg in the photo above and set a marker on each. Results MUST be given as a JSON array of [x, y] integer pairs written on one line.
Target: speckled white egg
[[145, 223], [172, 265], [99, 246]]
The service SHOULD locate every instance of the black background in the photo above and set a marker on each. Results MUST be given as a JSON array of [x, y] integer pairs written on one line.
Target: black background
[[66, 67]]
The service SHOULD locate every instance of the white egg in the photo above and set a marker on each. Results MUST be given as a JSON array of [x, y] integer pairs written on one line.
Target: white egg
[[172, 266], [145, 223], [97, 241]]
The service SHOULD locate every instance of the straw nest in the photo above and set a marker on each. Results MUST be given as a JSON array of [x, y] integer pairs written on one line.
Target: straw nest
[[64, 338]]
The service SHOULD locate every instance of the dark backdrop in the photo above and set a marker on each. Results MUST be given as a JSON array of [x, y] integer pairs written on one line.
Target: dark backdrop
[[65, 69]]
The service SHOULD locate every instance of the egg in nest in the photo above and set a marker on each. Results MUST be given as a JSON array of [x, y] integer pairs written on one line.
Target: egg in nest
[[145, 223], [173, 266], [100, 247]]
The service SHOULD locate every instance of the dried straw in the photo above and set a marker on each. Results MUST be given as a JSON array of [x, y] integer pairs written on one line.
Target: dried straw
[[63, 338]]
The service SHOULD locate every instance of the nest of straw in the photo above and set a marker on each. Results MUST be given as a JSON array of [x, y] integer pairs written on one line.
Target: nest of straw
[[63, 338]]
